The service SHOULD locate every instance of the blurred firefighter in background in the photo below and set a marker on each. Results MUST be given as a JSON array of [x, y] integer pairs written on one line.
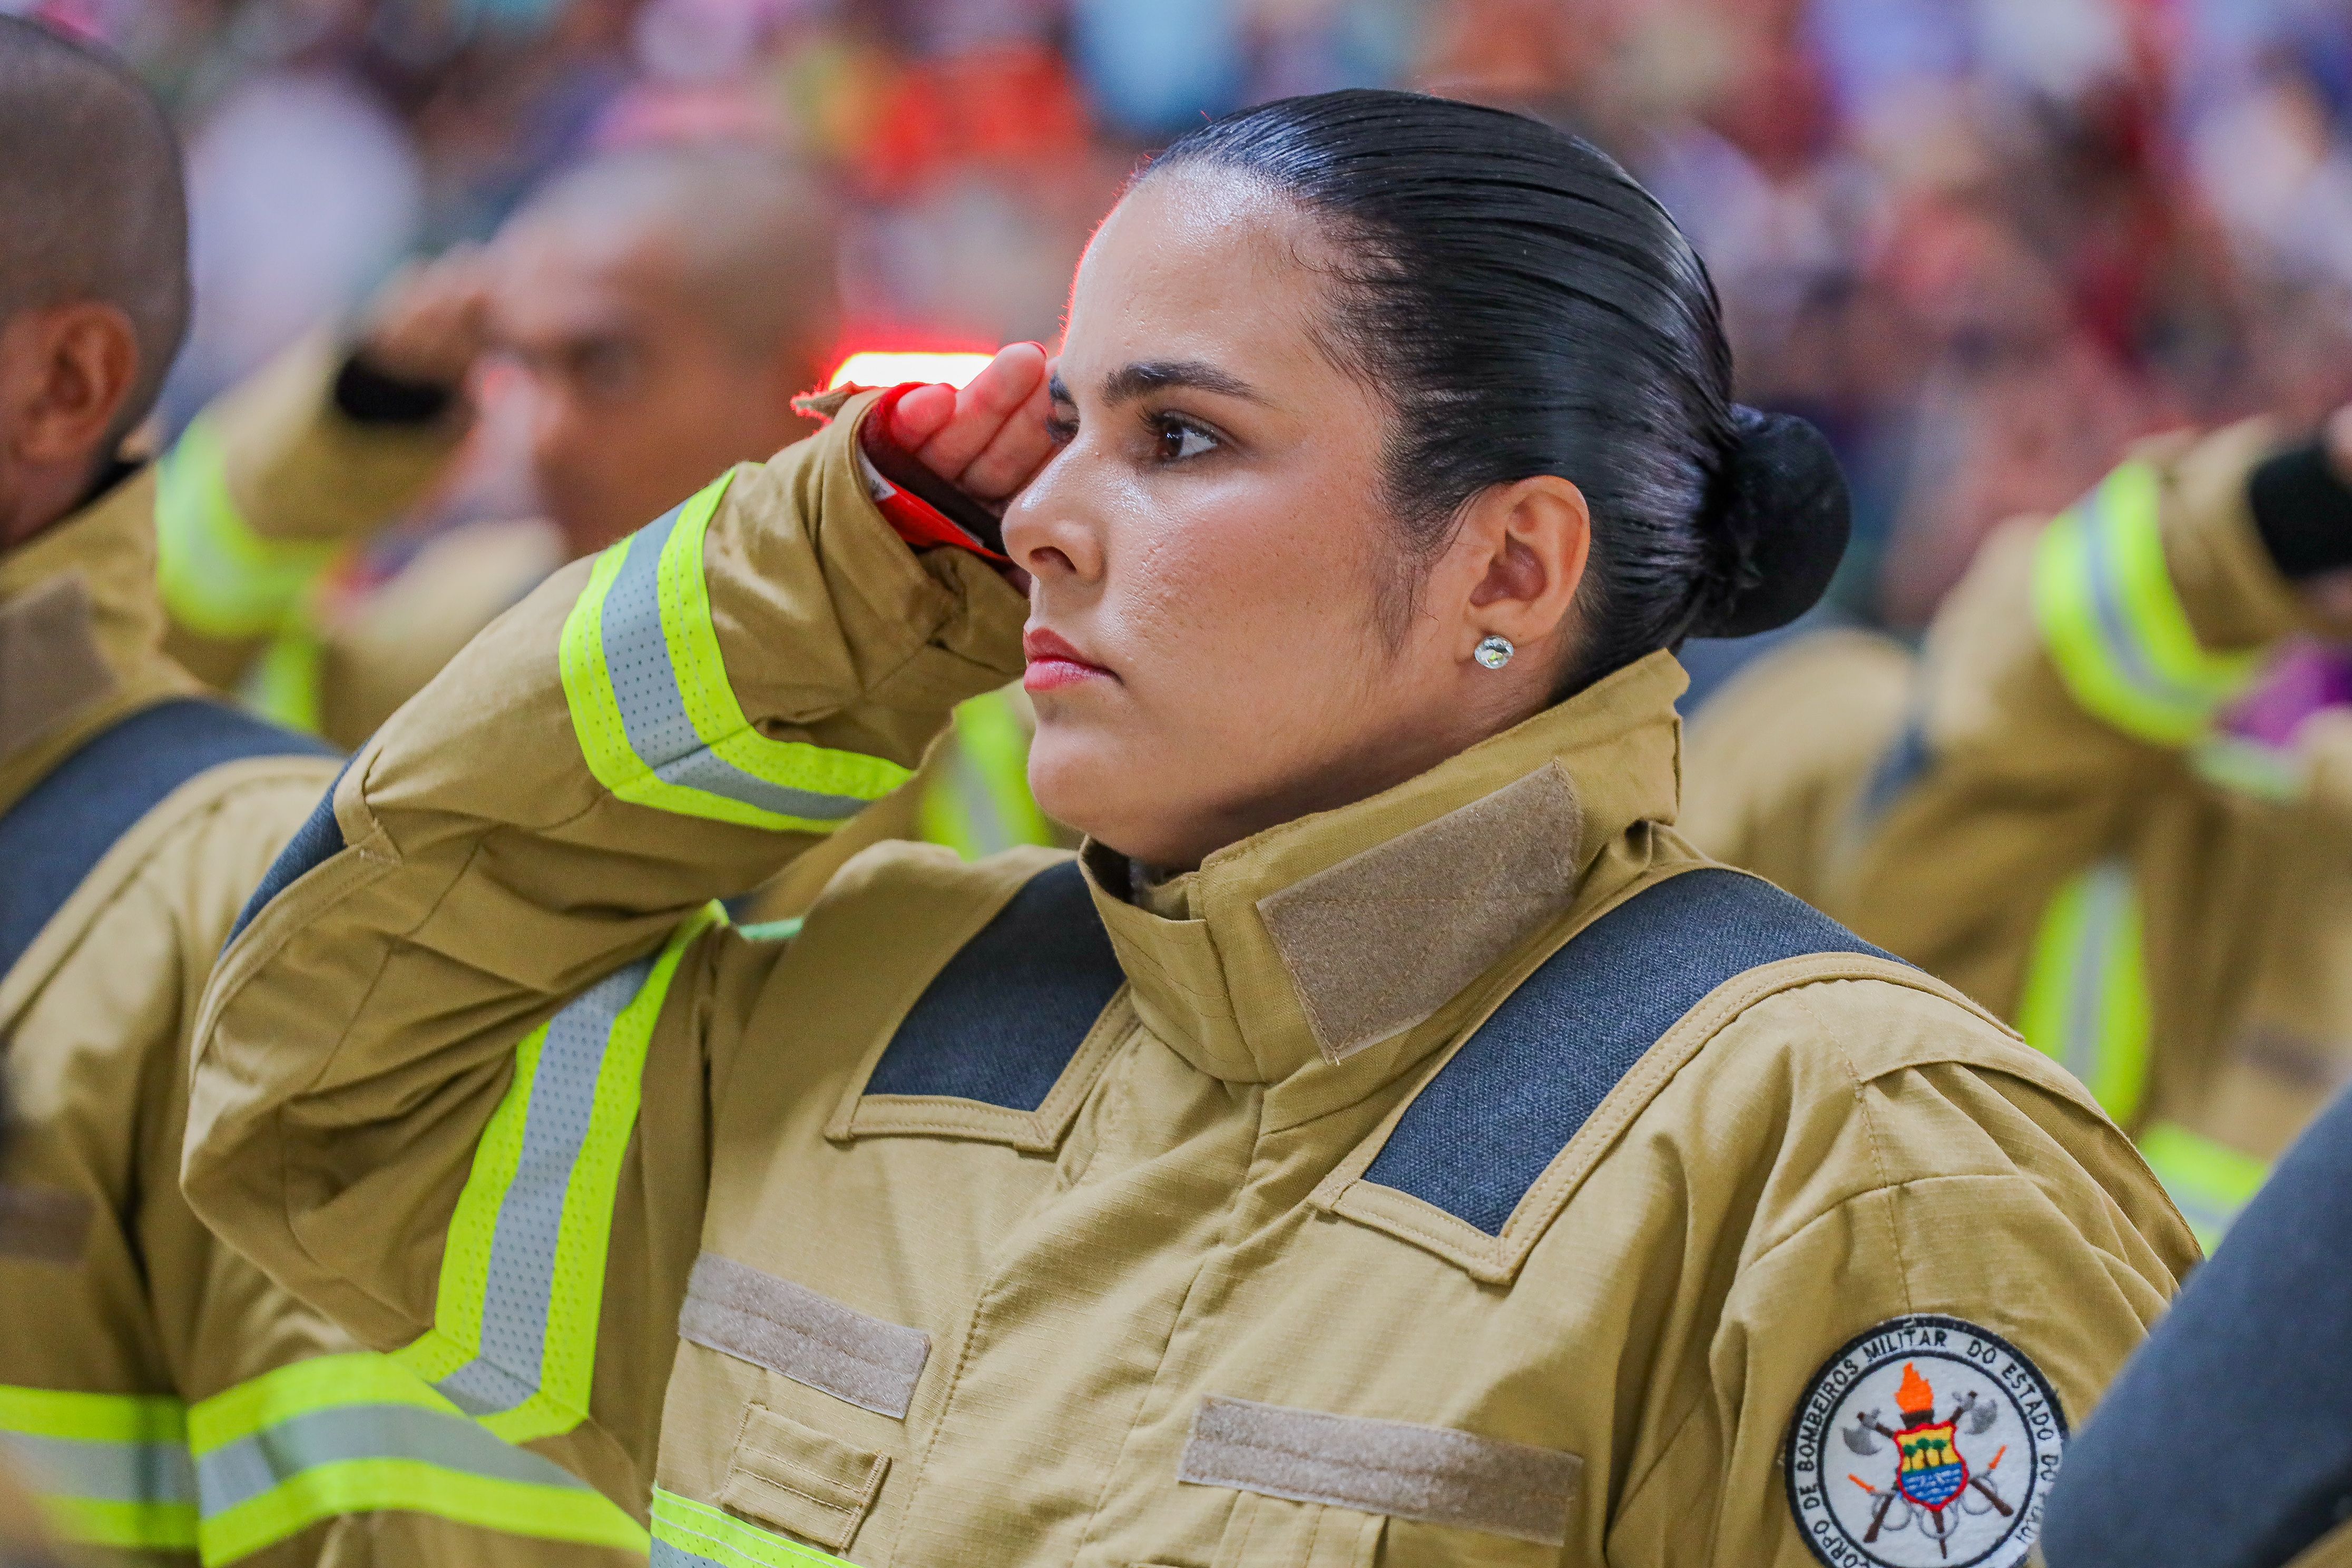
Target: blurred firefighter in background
[[2111, 798], [663, 306], [168, 1402]]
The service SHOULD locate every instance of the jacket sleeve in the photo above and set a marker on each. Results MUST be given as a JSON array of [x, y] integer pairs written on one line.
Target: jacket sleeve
[[451, 1077], [2070, 687], [265, 491]]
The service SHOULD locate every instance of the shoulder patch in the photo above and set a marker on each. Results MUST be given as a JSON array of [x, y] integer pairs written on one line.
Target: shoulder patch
[[1003, 1018], [1926, 1440], [1477, 1136]]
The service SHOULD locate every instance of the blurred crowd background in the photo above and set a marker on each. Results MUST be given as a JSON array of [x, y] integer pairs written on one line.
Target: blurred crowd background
[[1983, 243]]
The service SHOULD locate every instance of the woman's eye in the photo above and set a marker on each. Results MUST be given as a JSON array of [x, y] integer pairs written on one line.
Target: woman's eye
[[1061, 431], [1180, 440]]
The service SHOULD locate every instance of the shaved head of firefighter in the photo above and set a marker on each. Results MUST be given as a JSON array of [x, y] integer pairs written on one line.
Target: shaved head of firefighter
[[666, 305], [93, 267]]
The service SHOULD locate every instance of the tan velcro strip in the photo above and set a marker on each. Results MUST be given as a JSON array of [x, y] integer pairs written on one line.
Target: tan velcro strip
[[740, 1311], [1377, 943], [45, 1225], [1435, 1475], [50, 666]]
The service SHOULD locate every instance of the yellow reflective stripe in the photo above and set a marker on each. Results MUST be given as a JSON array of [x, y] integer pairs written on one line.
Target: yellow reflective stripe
[[351, 1433], [521, 1359], [287, 685], [218, 575], [2113, 622], [2251, 768], [688, 1534], [2210, 1182], [92, 1418], [321, 1382], [978, 803], [655, 716], [2086, 1001], [132, 1526], [417, 1486], [112, 1468]]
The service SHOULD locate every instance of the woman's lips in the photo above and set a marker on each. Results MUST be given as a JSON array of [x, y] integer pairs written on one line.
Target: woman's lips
[[1054, 664]]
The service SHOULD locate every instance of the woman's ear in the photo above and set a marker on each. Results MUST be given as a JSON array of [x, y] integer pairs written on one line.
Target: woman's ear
[[1533, 537]]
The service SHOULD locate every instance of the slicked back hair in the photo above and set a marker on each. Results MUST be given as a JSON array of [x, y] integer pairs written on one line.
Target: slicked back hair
[[93, 205]]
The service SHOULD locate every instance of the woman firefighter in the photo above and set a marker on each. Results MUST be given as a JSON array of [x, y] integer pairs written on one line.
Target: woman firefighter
[[1386, 1141]]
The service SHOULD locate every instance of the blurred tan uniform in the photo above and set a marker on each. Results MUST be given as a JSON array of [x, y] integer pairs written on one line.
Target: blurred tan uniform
[[268, 499], [2042, 814], [1356, 1197], [165, 1396]]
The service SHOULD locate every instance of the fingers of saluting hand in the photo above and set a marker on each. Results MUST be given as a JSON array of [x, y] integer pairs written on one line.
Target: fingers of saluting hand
[[971, 446], [1015, 453]]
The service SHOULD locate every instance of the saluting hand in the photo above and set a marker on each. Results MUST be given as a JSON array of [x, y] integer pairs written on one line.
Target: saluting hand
[[429, 321], [990, 439]]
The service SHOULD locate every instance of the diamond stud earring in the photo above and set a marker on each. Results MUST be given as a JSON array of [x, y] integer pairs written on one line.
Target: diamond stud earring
[[1494, 652]]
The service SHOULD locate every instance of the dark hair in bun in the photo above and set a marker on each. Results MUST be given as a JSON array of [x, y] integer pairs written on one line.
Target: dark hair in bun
[[1527, 309]]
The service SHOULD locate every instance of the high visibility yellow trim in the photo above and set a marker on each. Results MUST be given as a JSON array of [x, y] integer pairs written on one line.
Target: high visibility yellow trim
[[321, 1382], [417, 1486], [2113, 621], [718, 719], [287, 685], [561, 1385], [978, 802], [101, 1449], [706, 735], [2086, 1001], [2251, 768], [443, 1477], [218, 575], [688, 1534], [131, 1526], [92, 1418], [2210, 1182]]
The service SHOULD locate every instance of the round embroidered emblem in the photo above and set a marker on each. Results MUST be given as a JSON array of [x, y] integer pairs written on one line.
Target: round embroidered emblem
[[1925, 1441]]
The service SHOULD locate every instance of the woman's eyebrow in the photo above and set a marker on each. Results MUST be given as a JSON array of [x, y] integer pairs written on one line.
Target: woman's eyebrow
[[1133, 380]]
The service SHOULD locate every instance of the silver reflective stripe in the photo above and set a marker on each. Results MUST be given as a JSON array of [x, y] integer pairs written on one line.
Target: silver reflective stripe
[[2115, 624], [105, 1471], [1434, 1474], [260, 1463], [668, 1556], [644, 688], [790, 1328], [523, 1249], [2106, 905]]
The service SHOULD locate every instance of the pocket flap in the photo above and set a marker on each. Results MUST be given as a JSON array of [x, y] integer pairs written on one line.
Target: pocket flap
[[800, 1479]]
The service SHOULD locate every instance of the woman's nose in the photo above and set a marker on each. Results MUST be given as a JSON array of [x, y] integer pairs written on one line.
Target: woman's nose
[[1048, 531]]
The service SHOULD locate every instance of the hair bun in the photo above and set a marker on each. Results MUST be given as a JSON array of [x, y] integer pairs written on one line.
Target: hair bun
[[1784, 516]]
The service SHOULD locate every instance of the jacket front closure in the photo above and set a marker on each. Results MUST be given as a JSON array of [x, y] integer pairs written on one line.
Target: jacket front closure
[[1086, 1326]]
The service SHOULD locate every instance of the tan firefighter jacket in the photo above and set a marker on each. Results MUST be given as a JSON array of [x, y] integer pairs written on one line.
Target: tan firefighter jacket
[[166, 1401], [1470, 1175], [2043, 814]]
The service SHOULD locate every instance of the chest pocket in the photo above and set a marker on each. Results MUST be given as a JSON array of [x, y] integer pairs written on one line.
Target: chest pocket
[[1006, 1040], [800, 1480]]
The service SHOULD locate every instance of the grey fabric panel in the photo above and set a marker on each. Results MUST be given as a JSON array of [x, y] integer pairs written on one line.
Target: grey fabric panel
[[668, 1556], [790, 1328], [45, 1225], [653, 712], [1435, 1475], [523, 1249], [104, 1471], [243, 1470], [1457, 894]]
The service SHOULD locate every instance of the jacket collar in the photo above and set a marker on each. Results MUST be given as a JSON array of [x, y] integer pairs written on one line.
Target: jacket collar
[[1334, 948], [81, 628]]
